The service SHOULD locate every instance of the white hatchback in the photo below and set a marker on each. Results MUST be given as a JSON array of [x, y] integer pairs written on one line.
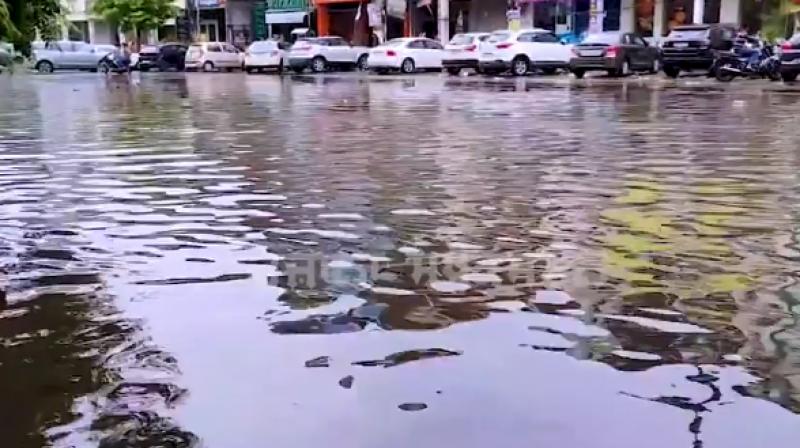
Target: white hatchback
[[210, 56], [407, 54], [523, 51], [462, 52], [264, 55]]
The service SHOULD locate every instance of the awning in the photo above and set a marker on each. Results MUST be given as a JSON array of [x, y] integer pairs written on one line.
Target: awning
[[286, 17]]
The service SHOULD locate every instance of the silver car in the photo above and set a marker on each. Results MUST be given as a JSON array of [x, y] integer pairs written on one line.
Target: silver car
[[67, 55]]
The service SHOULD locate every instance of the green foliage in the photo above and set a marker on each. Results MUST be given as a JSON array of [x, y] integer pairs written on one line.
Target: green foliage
[[21, 19], [136, 15], [778, 21]]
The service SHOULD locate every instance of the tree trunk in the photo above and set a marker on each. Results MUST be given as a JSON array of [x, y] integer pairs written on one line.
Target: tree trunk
[[138, 39]]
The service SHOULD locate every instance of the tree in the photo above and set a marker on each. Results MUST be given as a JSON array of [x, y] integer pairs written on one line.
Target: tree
[[21, 19], [136, 15]]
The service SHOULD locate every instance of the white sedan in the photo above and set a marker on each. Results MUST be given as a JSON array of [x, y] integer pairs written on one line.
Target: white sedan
[[264, 55], [407, 54]]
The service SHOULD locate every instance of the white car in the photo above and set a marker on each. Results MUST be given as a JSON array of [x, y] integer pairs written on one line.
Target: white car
[[523, 51], [407, 54], [66, 55], [462, 52], [324, 53], [210, 56], [262, 55]]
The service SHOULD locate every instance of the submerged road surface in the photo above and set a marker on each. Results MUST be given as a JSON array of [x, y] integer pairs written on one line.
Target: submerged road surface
[[234, 262]]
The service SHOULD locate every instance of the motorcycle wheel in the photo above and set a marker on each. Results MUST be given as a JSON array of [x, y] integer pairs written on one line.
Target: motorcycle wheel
[[723, 75], [774, 72]]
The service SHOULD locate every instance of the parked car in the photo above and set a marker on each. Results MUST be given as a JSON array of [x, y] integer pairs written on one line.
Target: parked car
[[618, 54], [790, 58], [523, 51], [326, 53], [7, 55], [66, 55], [694, 47], [406, 54], [264, 55], [462, 52], [210, 56], [164, 57]]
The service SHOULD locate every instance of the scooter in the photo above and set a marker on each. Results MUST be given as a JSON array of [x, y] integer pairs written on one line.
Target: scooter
[[728, 65], [110, 64]]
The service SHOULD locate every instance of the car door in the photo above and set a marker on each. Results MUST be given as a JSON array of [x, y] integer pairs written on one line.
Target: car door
[[526, 44], [433, 53], [631, 51], [67, 57], [416, 51], [54, 53], [85, 55], [646, 54], [341, 51], [551, 49], [215, 54], [232, 56]]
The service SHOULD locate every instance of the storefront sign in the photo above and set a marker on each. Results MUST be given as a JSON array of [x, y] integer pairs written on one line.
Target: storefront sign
[[210, 4], [596, 15], [514, 17], [287, 5], [374, 15]]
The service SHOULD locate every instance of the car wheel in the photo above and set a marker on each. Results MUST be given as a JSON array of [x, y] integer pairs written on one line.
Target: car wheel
[[656, 66], [520, 66], [672, 72], [318, 64], [249, 70], [103, 67], [724, 75], [579, 73], [363, 63], [453, 71], [144, 69], [407, 66], [789, 77], [208, 66], [44, 67], [297, 70]]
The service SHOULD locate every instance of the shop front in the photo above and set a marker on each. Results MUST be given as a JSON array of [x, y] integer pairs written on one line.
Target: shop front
[[345, 18], [284, 16], [211, 26]]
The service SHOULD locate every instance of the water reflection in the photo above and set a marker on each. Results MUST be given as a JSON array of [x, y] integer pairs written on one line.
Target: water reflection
[[192, 256]]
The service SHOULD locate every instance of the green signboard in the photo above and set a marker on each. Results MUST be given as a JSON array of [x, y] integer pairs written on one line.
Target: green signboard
[[259, 25], [287, 5]]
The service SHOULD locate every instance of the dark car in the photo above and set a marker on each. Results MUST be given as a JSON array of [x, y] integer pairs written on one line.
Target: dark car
[[694, 47], [164, 57], [618, 54], [790, 58]]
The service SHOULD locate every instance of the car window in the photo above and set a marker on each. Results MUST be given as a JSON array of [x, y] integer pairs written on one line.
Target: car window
[[689, 33], [230, 48], [83, 48], [416, 44], [337, 42], [484, 37], [637, 40], [462, 39], [545, 38], [433, 45], [727, 33], [526, 37], [262, 47], [500, 36], [626, 39]]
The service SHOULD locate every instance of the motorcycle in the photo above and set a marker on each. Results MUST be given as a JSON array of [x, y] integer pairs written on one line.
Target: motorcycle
[[728, 65], [111, 64]]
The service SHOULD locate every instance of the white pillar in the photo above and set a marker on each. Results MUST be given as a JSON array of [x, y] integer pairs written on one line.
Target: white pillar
[[659, 24], [444, 21], [92, 33], [626, 16], [730, 11], [698, 10]]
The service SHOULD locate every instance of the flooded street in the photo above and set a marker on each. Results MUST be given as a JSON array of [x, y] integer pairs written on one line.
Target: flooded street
[[225, 261]]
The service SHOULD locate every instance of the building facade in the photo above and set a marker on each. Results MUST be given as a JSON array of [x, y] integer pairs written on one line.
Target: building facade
[[83, 25]]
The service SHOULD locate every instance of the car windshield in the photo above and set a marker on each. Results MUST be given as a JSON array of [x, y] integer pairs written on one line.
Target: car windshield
[[462, 39], [688, 33], [261, 47], [795, 40], [602, 38], [499, 37]]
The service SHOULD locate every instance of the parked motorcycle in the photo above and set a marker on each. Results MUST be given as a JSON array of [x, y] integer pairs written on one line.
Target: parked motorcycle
[[730, 64], [112, 64]]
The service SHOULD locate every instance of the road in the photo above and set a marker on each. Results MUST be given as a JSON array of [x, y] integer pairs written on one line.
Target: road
[[346, 260]]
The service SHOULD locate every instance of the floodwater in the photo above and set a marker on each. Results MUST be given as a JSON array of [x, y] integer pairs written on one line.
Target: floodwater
[[231, 261]]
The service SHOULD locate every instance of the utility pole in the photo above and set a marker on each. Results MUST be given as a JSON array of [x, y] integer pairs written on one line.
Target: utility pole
[[444, 21]]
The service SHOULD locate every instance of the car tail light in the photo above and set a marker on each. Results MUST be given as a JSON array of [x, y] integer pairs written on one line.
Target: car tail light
[[787, 46], [390, 53], [611, 52], [503, 45], [470, 48]]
